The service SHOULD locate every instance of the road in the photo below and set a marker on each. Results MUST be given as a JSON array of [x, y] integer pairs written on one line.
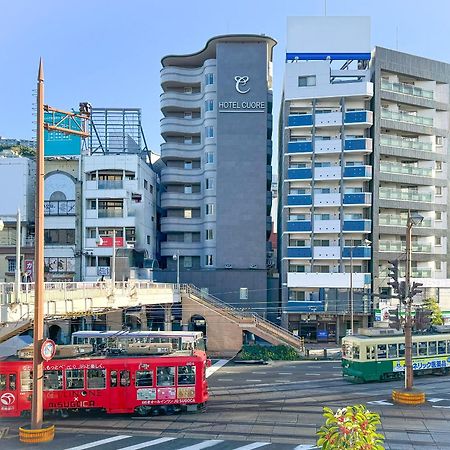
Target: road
[[275, 406]]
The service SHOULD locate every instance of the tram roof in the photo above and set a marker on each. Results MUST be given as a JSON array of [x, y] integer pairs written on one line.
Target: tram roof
[[188, 335]]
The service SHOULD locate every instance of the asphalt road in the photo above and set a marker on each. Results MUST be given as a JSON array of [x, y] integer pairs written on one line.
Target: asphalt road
[[276, 406]]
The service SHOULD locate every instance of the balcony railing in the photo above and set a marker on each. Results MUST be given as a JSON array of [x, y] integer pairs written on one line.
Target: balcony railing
[[391, 141], [407, 89], [102, 213], [400, 221], [59, 208], [110, 184], [405, 169], [396, 246], [299, 252], [405, 117], [301, 225], [393, 194]]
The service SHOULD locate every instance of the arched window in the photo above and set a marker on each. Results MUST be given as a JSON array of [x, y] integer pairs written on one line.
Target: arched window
[[58, 196]]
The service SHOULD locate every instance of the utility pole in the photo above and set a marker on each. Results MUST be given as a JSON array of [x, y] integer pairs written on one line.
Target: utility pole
[[18, 261]]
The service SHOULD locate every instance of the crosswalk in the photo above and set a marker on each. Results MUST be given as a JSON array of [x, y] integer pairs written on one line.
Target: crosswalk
[[126, 442]]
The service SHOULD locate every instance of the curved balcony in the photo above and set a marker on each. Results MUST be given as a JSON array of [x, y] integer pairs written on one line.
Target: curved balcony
[[180, 224], [180, 200], [185, 248], [178, 150], [172, 76], [181, 126], [172, 175], [181, 101]]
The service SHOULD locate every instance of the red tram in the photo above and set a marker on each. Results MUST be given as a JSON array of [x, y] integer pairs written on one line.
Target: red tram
[[123, 372]]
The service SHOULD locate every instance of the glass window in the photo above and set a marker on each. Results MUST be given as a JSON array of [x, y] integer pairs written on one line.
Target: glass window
[[188, 188], [381, 351], [422, 349], [188, 213], [186, 375], [113, 378], [441, 347], [144, 378], [74, 379], [11, 264], [124, 378], [392, 350], [165, 376], [26, 380], [187, 262], [2, 382], [12, 381], [53, 380], [370, 352], [209, 105], [209, 209], [209, 132], [209, 157], [209, 183], [96, 378], [355, 352], [209, 260], [309, 80], [432, 348], [209, 79], [414, 349], [209, 234], [401, 350], [188, 165]]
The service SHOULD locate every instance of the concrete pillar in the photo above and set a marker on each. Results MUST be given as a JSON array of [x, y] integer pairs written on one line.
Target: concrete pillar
[[143, 318], [338, 328], [168, 317]]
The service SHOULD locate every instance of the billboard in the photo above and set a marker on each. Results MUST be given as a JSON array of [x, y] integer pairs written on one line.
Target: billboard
[[57, 143]]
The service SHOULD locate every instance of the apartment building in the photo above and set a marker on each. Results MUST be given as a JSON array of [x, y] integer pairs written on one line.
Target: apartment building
[[325, 175], [217, 150]]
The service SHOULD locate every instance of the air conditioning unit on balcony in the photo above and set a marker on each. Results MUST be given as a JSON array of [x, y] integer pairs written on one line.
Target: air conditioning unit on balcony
[[228, 266]]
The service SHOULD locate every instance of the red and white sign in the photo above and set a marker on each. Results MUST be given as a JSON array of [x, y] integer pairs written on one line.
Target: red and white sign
[[29, 268], [7, 399], [48, 349], [107, 241]]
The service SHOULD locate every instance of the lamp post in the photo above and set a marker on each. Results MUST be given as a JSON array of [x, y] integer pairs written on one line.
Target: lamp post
[[18, 265], [366, 244], [176, 257], [413, 219]]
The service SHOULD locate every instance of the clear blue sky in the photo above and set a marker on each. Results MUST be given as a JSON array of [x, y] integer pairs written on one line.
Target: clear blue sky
[[108, 52]]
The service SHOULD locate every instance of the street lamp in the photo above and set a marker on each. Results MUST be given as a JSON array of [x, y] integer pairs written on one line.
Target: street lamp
[[176, 257], [366, 243]]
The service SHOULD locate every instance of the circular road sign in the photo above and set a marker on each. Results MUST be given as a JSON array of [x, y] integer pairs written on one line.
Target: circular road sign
[[48, 349]]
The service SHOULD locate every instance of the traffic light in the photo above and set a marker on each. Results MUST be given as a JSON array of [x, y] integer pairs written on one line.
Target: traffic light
[[393, 274], [415, 289]]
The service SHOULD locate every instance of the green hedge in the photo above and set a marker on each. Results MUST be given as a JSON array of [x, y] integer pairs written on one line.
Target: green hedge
[[275, 352]]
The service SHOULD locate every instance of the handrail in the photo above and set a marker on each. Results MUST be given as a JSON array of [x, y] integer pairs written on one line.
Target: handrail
[[281, 332]]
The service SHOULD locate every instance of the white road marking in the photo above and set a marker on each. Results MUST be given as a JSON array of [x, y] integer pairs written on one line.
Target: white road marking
[[380, 402], [337, 367], [252, 446], [224, 379], [215, 367], [254, 381], [313, 367], [315, 374], [204, 444], [285, 373], [439, 406], [147, 444], [261, 373], [97, 443], [305, 447], [435, 400], [280, 381]]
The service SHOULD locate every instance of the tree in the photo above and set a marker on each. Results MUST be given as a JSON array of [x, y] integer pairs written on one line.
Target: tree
[[436, 313], [352, 428]]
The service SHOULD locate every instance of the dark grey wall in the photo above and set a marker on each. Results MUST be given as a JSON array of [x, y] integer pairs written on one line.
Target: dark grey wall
[[241, 158]]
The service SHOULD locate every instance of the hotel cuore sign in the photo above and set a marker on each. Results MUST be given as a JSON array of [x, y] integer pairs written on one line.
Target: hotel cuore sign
[[242, 86]]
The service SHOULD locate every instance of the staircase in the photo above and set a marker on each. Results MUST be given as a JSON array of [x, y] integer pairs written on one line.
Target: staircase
[[246, 320]]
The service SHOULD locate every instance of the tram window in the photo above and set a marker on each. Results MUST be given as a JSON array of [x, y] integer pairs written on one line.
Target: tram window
[[144, 378], [26, 380], [113, 378], [392, 350], [2, 382], [12, 381], [448, 346], [74, 379], [370, 352], [432, 348], [401, 350], [422, 349], [355, 352], [441, 347], [381, 351], [53, 380], [124, 378], [96, 378], [414, 349], [165, 376], [186, 375]]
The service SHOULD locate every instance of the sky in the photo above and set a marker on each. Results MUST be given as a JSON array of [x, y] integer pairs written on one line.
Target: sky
[[108, 52]]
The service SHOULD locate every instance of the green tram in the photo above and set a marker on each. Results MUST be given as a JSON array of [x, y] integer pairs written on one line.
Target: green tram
[[382, 358]]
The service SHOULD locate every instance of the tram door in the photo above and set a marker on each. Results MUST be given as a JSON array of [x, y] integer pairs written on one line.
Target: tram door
[[120, 382], [8, 392]]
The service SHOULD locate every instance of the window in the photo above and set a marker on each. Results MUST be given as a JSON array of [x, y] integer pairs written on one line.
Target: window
[[11, 264], [92, 204], [439, 141], [438, 265], [438, 191], [209, 209], [165, 376], [437, 240], [243, 294], [96, 378], [188, 213], [209, 79], [422, 349], [2, 382], [381, 351], [209, 158], [209, 260], [151, 189], [113, 378], [441, 347], [188, 90], [188, 188], [124, 378], [296, 295], [370, 352], [187, 262], [209, 132], [186, 375], [130, 234], [209, 183], [209, 105], [392, 350], [309, 80], [145, 184], [438, 166], [438, 215], [59, 237], [26, 380], [401, 350], [188, 165], [209, 234], [188, 139], [148, 239], [432, 348], [74, 379], [12, 381], [144, 378], [53, 380], [321, 269], [355, 352]]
